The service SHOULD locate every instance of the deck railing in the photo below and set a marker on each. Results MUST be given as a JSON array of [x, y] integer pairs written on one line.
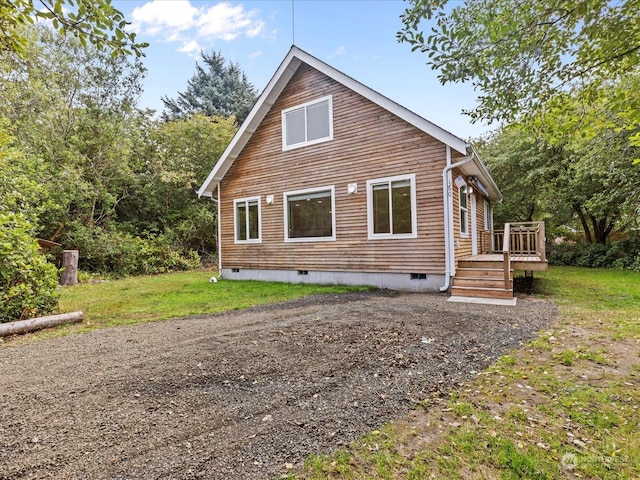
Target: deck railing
[[526, 239], [517, 240]]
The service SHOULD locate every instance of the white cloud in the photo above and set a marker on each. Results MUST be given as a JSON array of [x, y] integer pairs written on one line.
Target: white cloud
[[180, 21], [255, 54], [160, 16], [340, 51], [224, 21], [190, 48]]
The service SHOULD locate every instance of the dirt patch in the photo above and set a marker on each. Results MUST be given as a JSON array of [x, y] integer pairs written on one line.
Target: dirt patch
[[240, 395]]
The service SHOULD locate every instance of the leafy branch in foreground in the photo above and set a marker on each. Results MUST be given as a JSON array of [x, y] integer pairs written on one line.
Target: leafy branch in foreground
[[525, 56], [91, 21]]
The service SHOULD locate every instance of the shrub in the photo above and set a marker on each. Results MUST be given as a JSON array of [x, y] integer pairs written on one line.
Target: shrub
[[623, 254], [114, 252], [28, 283]]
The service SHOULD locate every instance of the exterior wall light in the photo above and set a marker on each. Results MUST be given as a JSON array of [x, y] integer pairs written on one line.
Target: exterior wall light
[[269, 199], [352, 188]]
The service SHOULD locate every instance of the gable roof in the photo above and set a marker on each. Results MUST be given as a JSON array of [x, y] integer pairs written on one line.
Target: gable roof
[[279, 81]]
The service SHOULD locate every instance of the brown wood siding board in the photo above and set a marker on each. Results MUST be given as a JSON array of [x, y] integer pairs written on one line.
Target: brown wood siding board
[[364, 135]]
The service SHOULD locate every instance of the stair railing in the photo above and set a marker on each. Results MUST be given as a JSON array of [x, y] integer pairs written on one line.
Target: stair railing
[[506, 256]]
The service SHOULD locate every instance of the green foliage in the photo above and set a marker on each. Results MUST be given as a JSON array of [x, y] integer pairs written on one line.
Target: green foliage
[[101, 176], [615, 254], [94, 22], [120, 254], [216, 89], [585, 182], [530, 58], [28, 283]]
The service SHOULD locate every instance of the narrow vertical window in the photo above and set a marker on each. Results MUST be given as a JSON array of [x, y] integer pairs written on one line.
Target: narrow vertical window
[[463, 199], [391, 207], [487, 223], [247, 220]]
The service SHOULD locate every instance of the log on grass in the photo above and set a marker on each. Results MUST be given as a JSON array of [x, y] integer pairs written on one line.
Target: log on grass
[[24, 326]]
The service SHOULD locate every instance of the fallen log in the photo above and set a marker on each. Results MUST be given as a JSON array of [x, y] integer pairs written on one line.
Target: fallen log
[[23, 326]]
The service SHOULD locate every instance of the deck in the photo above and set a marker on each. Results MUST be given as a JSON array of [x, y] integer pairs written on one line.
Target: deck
[[520, 246], [518, 262]]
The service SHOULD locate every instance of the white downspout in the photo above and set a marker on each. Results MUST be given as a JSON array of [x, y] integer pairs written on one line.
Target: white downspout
[[447, 198], [218, 239]]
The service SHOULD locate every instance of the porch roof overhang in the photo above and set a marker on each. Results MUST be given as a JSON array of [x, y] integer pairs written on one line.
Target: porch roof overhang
[[476, 168], [279, 81]]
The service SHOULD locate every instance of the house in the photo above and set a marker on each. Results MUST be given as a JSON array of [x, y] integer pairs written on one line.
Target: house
[[327, 181]]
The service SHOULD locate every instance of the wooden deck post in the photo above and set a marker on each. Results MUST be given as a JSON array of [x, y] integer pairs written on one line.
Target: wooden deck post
[[69, 274]]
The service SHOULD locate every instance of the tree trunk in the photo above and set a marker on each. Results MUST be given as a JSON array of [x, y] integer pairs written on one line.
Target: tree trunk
[[69, 274], [23, 326], [587, 233]]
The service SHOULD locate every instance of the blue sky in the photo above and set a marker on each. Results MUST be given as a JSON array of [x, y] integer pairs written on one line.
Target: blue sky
[[357, 37]]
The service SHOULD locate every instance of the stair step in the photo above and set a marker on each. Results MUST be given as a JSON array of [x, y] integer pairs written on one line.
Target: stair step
[[480, 272], [480, 282], [480, 264], [481, 292]]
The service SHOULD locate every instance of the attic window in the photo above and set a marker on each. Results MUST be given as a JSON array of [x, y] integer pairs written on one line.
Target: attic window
[[308, 123]]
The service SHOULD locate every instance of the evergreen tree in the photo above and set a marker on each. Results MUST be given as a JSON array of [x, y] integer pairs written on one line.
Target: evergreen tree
[[216, 89]]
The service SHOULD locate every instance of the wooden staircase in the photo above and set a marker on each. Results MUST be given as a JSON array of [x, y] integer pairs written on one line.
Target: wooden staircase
[[482, 277]]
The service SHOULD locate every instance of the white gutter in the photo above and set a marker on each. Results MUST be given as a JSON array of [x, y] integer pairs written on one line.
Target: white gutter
[[447, 198]]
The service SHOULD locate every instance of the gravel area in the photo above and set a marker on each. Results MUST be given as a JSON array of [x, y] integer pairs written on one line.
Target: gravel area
[[239, 395]]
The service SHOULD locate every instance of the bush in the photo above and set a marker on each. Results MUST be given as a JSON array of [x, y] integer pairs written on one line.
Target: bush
[[113, 252], [623, 254], [28, 283]]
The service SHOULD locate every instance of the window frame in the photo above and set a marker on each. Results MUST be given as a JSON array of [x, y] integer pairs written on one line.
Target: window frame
[[487, 217], [285, 201], [305, 105], [465, 210], [246, 201], [414, 210]]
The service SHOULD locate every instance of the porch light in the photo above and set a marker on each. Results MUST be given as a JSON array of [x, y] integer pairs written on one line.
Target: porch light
[[269, 199], [352, 188]]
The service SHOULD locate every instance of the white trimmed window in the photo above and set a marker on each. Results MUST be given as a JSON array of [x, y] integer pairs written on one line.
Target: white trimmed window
[[463, 200], [309, 215], [247, 220], [307, 124], [487, 215], [391, 207]]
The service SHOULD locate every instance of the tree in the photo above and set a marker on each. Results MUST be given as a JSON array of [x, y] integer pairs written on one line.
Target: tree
[[529, 57], [172, 162], [216, 88], [28, 284], [90, 21], [74, 107], [523, 168], [587, 181]]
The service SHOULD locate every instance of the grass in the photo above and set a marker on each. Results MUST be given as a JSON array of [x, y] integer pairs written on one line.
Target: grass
[[151, 298], [567, 405]]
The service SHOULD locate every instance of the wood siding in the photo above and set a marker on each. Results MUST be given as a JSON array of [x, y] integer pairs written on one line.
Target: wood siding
[[464, 245], [368, 143]]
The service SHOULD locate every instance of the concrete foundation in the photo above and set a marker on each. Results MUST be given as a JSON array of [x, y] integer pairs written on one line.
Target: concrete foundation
[[410, 282]]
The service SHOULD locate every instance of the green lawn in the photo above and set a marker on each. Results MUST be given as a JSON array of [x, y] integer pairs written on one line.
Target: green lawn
[[567, 405], [151, 298]]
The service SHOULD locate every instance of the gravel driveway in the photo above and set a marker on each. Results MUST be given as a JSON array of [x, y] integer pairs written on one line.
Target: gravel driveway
[[239, 395]]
